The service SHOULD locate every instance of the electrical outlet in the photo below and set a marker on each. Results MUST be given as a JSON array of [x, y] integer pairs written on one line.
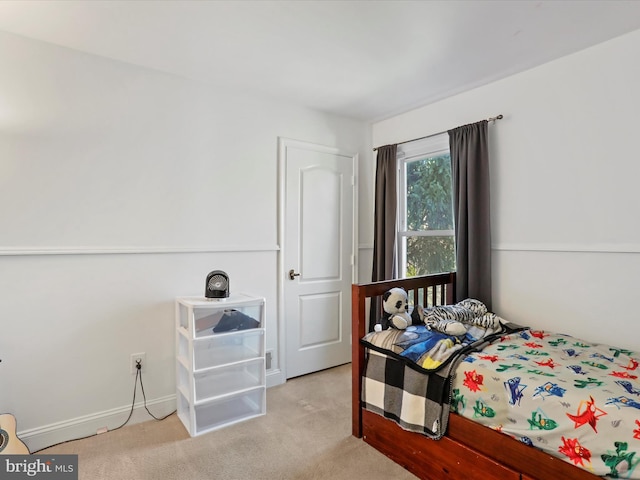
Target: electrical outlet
[[133, 362]]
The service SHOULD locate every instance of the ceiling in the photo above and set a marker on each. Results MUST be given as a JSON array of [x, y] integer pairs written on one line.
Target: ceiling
[[363, 59]]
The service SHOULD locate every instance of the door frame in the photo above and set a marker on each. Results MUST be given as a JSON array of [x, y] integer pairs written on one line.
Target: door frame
[[283, 144]]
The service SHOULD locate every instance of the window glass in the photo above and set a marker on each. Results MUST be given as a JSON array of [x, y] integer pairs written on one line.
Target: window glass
[[426, 229]]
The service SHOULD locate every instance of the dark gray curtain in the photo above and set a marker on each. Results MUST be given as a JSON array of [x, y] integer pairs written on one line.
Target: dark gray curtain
[[385, 213], [470, 176]]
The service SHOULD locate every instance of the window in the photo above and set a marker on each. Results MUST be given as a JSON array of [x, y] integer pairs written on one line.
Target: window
[[426, 242]]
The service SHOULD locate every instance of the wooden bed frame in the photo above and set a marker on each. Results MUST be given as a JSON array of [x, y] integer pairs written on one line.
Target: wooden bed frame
[[469, 451]]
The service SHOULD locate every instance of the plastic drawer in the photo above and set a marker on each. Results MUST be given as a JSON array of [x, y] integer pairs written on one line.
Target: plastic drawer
[[206, 320], [232, 409], [198, 316], [227, 348], [232, 378]]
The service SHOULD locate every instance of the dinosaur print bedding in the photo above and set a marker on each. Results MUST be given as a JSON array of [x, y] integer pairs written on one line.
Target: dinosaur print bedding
[[576, 400]]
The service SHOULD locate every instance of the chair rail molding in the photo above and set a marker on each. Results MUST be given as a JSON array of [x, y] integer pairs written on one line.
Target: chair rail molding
[[568, 247], [127, 250]]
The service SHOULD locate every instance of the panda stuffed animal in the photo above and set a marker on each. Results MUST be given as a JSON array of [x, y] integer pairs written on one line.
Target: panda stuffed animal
[[395, 305]]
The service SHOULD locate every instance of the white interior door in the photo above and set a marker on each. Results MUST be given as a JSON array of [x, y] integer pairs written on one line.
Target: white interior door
[[318, 256]]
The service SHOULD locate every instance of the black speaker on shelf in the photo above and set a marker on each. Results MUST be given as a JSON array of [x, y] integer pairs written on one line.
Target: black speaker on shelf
[[217, 285]]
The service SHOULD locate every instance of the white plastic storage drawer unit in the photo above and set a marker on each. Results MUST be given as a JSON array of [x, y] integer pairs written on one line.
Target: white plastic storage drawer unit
[[220, 361]]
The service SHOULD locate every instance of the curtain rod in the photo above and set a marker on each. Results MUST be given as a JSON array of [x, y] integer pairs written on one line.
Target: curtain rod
[[490, 119]]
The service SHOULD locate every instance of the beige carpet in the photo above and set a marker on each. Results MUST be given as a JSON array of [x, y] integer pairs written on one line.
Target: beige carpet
[[306, 434]]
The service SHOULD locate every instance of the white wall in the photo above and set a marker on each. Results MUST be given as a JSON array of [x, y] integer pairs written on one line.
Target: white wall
[[120, 189], [565, 169]]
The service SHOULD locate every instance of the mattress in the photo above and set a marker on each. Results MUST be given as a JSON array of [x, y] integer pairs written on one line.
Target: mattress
[[574, 399]]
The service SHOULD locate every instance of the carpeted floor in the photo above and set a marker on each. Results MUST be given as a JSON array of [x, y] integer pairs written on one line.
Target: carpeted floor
[[306, 434]]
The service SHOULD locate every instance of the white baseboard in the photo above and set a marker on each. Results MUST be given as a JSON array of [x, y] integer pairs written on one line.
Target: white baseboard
[[275, 377], [79, 427]]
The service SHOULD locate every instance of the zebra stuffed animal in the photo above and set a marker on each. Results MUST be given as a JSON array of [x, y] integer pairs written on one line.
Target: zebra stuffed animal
[[455, 319]]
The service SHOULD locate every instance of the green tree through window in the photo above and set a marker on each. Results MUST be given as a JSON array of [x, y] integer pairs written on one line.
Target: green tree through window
[[426, 231]]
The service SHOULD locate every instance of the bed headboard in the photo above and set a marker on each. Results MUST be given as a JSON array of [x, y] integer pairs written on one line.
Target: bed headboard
[[427, 290]]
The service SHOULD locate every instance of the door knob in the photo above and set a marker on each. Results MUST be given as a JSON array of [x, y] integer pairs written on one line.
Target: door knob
[[293, 274]]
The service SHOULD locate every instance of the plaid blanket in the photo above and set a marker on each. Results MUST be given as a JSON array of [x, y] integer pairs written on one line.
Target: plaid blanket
[[415, 401], [408, 374]]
